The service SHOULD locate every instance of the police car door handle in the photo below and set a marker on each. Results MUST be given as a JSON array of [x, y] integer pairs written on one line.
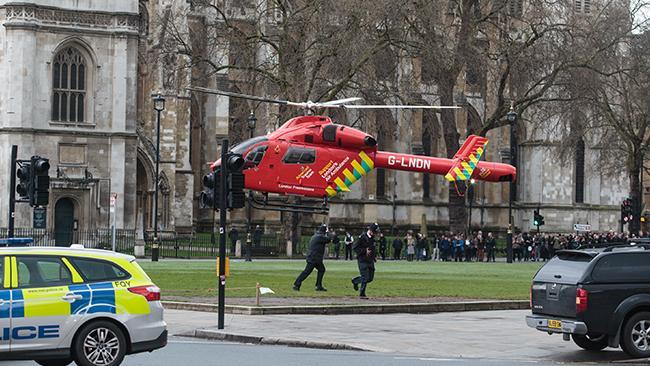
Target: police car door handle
[[72, 297]]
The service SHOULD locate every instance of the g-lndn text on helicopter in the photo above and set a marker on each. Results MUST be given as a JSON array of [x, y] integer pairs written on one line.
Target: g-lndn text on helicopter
[[312, 156]]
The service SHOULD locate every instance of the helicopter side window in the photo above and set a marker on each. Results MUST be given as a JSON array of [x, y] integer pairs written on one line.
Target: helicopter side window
[[329, 132], [299, 155], [255, 156]]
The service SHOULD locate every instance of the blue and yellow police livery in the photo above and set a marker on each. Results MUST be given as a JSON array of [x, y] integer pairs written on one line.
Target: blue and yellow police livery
[[63, 304]]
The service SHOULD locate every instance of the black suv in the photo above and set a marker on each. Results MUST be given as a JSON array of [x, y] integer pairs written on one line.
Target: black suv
[[598, 297]]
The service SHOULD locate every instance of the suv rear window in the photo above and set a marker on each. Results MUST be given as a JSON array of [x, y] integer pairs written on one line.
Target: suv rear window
[[566, 267], [96, 270], [623, 267]]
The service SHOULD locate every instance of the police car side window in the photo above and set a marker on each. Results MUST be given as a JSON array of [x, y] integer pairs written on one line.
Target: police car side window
[[42, 272], [95, 270]]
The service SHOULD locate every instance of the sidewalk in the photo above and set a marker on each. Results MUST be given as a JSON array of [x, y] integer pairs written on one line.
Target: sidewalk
[[481, 334]]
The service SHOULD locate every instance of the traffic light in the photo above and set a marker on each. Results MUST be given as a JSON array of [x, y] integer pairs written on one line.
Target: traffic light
[[626, 210], [40, 182], [24, 174], [211, 183], [236, 196], [538, 219]]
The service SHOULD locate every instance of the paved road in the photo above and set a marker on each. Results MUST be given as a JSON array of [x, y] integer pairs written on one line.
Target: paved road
[[500, 335], [470, 338], [185, 351]]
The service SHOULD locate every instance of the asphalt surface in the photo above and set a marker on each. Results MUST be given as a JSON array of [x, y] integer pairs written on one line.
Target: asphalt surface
[[187, 351], [469, 338], [497, 334]]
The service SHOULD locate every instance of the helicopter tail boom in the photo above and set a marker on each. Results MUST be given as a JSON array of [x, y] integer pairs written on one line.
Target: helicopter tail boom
[[486, 171]]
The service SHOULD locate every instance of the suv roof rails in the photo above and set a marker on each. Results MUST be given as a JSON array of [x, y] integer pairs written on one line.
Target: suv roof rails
[[632, 244], [603, 245]]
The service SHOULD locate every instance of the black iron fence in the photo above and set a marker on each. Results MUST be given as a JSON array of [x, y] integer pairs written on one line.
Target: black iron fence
[[95, 239], [172, 244], [202, 245]]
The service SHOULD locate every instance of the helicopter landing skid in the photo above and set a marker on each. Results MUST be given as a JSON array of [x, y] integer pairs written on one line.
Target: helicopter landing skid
[[265, 204]]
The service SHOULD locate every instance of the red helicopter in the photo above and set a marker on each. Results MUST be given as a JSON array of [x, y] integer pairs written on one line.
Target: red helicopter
[[312, 156]]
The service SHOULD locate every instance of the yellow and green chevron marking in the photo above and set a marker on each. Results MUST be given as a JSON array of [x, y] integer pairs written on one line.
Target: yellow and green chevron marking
[[359, 168], [464, 169]]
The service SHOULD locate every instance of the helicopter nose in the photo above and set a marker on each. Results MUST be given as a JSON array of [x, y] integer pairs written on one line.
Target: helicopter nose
[[370, 141]]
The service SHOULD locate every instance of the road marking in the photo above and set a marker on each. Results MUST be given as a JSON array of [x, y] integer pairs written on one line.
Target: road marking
[[431, 359], [461, 359]]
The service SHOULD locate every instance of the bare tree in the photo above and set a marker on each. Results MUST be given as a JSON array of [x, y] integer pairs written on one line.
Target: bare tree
[[289, 49], [620, 102]]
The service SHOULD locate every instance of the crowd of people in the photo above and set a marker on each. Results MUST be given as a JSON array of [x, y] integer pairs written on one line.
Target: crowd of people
[[475, 247]]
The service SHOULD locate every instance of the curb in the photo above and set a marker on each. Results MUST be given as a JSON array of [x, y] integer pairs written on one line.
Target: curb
[[229, 337], [412, 308]]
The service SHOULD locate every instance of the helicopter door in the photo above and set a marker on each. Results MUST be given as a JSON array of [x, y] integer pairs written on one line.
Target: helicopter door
[[298, 167]]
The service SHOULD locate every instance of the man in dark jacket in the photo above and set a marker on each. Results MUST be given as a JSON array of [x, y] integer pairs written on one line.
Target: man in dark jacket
[[366, 253], [337, 244], [315, 256], [382, 246], [490, 245], [397, 248], [233, 236]]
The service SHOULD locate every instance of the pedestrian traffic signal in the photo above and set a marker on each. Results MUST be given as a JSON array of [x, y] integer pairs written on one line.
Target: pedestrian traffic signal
[[211, 184], [538, 219], [40, 182]]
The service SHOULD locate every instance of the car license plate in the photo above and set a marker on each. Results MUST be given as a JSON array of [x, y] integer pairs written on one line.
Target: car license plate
[[555, 324]]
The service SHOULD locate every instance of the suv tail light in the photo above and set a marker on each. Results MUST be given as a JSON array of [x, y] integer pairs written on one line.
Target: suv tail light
[[151, 293], [581, 300], [530, 297]]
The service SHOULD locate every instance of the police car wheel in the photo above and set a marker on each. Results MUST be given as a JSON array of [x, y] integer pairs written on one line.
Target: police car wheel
[[57, 362], [100, 343]]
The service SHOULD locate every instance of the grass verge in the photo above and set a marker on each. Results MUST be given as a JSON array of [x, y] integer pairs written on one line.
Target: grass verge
[[392, 279]]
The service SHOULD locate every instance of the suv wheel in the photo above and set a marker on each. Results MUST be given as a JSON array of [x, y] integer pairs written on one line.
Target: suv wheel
[[55, 362], [590, 342], [635, 339], [100, 343]]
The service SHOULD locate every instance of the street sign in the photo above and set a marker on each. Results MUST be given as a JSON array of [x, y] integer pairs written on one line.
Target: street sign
[[582, 227], [40, 218]]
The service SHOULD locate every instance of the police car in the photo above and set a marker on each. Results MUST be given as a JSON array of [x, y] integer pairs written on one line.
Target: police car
[[63, 304]]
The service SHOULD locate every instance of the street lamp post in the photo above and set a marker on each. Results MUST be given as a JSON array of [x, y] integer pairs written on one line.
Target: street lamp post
[[159, 106], [251, 122], [512, 119], [470, 198]]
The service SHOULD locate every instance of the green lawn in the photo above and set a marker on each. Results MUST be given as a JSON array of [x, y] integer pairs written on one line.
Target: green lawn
[[392, 279]]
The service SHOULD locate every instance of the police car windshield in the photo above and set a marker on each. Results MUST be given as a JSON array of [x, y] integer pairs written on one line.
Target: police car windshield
[[245, 145]]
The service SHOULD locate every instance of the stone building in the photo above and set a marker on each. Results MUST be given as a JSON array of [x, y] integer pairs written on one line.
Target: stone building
[[78, 79]]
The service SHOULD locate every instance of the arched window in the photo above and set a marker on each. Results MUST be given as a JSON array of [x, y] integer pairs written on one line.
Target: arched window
[[69, 85]]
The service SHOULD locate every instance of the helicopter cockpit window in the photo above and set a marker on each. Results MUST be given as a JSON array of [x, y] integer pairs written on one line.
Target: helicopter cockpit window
[[299, 155], [255, 156], [329, 132], [244, 145]]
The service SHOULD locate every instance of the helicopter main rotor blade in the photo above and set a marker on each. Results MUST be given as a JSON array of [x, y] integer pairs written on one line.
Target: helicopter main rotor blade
[[354, 106], [239, 95], [342, 101]]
